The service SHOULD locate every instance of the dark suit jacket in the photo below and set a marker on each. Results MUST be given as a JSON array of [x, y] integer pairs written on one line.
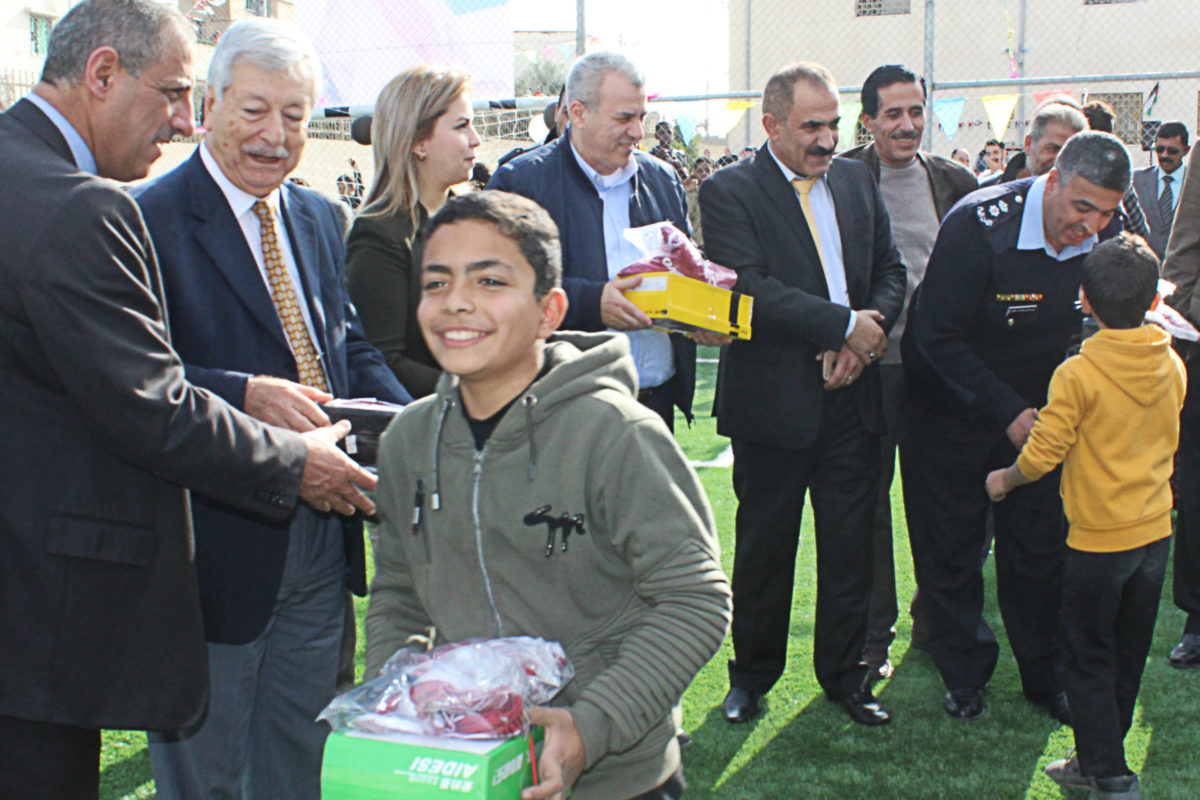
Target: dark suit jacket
[[99, 617], [770, 389], [1145, 184], [551, 177], [226, 329]]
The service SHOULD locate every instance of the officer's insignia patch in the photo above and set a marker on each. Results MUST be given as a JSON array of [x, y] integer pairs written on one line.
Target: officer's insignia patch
[[993, 211], [1019, 199], [1003, 207], [983, 217]]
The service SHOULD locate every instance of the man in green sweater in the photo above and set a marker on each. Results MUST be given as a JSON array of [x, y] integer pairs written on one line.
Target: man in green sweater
[[533, 495]]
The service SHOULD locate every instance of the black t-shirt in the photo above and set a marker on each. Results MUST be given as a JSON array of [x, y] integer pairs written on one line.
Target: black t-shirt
[[482, 429]]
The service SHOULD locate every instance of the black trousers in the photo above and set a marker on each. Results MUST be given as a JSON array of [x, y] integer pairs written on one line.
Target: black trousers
[[881, 621], [841, 471], [45, 760], [1187, 522], [661, 400], [944, 462], [1110, 603]]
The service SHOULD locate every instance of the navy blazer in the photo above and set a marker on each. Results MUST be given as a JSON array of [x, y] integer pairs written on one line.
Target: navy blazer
[[551, 177], [224, 325], [770, 390]]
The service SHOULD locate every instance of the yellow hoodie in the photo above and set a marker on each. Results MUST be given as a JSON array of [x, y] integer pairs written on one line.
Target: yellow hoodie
[[1112, 420]]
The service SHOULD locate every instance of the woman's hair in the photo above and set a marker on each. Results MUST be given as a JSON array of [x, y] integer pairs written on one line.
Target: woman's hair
[[405, 113]]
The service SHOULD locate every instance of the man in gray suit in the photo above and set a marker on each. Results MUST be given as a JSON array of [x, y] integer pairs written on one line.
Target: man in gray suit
[[98, 599], [1158, 188]]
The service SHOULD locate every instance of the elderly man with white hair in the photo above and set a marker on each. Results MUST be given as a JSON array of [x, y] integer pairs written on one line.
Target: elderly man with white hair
[[253, 272]]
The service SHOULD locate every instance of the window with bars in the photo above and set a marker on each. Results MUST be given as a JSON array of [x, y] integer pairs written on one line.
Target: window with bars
[[1127, 106], [1105, 2], [39, 34], [258, 7], [878, 8]]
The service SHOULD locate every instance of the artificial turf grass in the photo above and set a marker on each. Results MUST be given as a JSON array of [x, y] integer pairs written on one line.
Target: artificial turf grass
[[805, 747]]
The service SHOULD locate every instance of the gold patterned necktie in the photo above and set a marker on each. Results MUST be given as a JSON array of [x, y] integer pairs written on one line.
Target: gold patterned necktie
[[287, 305], [803, 186]]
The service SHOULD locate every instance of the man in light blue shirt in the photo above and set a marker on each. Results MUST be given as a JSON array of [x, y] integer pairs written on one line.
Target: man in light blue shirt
[[1158, 188]]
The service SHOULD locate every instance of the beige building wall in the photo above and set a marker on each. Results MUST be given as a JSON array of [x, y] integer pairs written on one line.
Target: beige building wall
[[1064, 38]]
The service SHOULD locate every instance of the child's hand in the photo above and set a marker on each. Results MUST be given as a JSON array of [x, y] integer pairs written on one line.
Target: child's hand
[[997, 487]]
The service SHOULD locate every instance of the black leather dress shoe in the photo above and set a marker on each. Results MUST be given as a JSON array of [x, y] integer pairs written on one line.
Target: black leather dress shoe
[[741, 705], [964, 703], [1187, 653], [864, 709], [1056, 705]]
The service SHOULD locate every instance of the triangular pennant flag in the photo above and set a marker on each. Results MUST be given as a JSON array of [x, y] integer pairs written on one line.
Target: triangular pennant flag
[[687, 127], [999, 110], [846, 125], [1041, 97], [949, 112]]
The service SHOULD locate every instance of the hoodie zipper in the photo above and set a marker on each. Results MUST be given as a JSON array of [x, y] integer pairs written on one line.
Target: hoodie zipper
[[476, 477]]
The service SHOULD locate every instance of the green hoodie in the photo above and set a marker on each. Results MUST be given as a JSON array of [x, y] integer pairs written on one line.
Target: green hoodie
[[635, 593]]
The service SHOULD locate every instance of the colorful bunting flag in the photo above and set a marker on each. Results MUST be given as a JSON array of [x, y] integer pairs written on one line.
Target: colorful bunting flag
[[948, 111], [846, 125], [999, 109]]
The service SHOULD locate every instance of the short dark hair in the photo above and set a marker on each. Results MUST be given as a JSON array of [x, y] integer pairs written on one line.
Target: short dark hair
[[779, 94], [995, 142], [883, 77], [1169, 130], [1099, 115], [1098, 158], [1120, 279], [517, 218], [134, 28]]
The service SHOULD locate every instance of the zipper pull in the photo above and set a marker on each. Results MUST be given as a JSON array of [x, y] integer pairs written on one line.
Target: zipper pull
[[418, 505]]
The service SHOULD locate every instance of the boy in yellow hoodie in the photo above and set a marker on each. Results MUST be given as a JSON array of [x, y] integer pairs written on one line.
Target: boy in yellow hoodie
[[1112, 420]]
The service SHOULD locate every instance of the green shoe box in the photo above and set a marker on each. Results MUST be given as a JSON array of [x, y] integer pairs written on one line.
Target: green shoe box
[[361, 766]]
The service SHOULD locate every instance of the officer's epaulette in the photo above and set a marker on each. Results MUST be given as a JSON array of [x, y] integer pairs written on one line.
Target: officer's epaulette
[[1001, 208]]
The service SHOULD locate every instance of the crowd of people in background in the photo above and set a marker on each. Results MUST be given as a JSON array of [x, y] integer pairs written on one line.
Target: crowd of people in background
[[983, 323]]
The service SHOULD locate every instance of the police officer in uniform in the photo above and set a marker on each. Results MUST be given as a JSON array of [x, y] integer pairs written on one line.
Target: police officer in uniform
[[992, 319]]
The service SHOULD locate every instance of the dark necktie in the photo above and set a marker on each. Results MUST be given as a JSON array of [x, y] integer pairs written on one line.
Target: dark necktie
[[1164, 203]]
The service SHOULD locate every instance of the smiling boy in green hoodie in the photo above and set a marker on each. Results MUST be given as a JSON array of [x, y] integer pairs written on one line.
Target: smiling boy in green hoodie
[[1112, 420], [533, 495]]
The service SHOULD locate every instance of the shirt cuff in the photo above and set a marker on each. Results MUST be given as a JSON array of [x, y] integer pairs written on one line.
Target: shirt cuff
[[850, 325]]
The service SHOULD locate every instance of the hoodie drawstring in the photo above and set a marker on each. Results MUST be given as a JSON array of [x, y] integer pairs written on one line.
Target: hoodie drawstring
[[435, 500], [529, 401]]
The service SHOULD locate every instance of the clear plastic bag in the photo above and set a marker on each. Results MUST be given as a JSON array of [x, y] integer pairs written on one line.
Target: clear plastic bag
[[665, 248], [477, 689]]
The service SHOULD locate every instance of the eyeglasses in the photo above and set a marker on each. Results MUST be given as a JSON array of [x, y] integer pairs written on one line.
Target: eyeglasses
[[1160, 149]]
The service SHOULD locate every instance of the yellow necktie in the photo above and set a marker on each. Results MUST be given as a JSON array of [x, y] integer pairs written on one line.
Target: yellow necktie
[[283, 293], [803, 186]]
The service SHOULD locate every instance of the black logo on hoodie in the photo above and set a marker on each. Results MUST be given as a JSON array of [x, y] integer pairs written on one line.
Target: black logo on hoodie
[[564, 522]]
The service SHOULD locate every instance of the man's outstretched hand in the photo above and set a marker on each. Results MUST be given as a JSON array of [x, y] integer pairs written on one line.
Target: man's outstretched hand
[[331, 480]]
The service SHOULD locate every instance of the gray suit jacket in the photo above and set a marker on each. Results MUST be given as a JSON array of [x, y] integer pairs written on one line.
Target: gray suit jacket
[[99, 615], [1145, 184]]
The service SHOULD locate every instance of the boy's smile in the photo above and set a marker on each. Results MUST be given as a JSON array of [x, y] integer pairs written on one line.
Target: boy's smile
[[479, 314]]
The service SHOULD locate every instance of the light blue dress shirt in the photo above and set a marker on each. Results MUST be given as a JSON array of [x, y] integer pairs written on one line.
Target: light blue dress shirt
[[79, 149], [1032, 235], [1176, 183], [651, 349]]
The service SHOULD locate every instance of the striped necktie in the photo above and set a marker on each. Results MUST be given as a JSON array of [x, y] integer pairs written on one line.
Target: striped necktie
[[287, 305], [1165, 203]]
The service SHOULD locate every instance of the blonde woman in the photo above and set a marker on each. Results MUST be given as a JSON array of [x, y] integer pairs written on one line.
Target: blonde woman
[[424, 142]]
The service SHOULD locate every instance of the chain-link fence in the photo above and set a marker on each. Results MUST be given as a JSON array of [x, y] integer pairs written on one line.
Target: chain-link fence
[[988, 63]]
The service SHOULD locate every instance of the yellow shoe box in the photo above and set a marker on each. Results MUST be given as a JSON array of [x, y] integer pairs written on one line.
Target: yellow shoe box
[[679, 303]]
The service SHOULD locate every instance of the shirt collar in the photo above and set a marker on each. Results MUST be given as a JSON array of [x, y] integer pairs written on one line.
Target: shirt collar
[[79, 149], [1033, 231], [605, 182], [787, 173], [239, 201], [1176, 176]]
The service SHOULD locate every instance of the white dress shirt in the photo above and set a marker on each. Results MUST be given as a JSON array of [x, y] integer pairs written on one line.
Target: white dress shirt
[[821, 200], [242, 204], [1176, 184], [1032, 235]]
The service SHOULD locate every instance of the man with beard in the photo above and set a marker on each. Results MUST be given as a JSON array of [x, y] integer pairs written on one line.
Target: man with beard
[[919, 189], [810, 240], [1055, 121], [1158, 188], [988, 325]]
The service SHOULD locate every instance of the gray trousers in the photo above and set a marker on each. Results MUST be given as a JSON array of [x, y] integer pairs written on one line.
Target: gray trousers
[[881, 620], [260, 739]]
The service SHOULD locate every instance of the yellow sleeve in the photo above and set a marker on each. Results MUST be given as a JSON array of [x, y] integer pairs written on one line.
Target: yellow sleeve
[[1057, 425]]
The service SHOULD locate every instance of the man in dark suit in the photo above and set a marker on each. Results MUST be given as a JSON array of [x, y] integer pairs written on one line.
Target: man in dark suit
[[98, 603], [810, 240], [1158, 187], [595, 183], [253, 276]]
